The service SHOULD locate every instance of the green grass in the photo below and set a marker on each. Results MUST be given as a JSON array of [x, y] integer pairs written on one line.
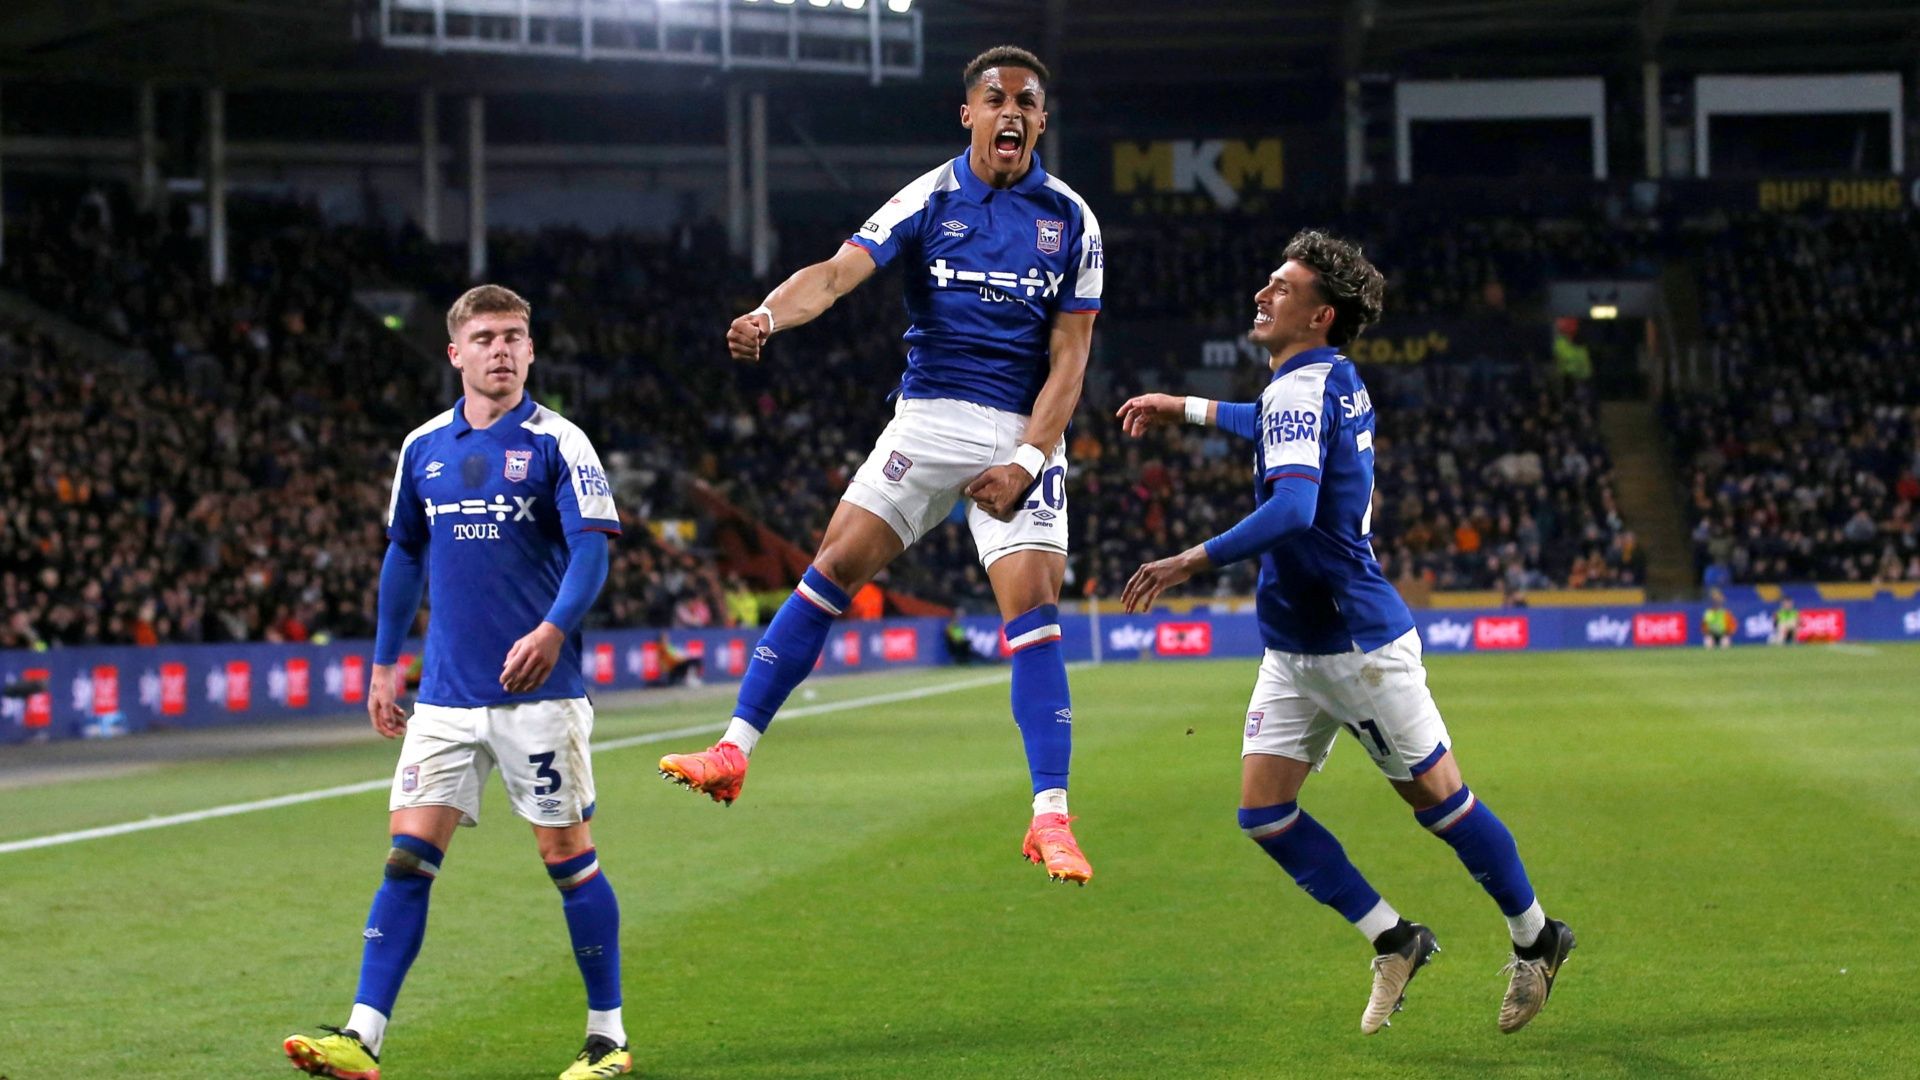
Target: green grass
[[1732, 835]]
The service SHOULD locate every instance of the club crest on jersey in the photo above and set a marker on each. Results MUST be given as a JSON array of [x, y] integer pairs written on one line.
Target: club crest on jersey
[[517, 461], [896, 466], [1048, 235]]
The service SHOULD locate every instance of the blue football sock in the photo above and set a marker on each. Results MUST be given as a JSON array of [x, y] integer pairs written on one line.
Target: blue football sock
[[1042, 705], [787, 651], [398, 922], [1484, 845], [593, 921], [1312, 857]]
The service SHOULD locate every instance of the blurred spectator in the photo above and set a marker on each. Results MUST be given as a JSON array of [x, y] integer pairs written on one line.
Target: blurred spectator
[[868, 603], [235, 490], [1802, 464], [677, 666], [743, 604]]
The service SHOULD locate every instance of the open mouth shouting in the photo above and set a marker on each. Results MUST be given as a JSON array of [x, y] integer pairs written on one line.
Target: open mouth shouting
[[1007, 143]]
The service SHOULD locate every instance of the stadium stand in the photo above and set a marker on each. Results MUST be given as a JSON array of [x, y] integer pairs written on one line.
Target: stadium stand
[[1506, 492], [233, 489], [1804, 463]]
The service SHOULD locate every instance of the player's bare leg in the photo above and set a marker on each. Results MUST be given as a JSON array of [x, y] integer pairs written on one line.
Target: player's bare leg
[[395, 928], [1271, 817], [1026, 584], [858, 545], [1442, 802]]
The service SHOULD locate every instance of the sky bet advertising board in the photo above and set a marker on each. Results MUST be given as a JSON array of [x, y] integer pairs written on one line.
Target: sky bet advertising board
[[102, 692]]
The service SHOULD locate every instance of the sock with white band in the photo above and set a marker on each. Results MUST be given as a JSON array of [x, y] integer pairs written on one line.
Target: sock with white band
[[743, 735], [607, 1024], [1488, 852], [1042, 705], [370, 1024], [396, 925], [1317, 863], [1050, 801], [789, 648]]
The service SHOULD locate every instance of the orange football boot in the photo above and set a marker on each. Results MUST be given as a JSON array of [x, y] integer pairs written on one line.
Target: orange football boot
[[719, 770], [1050, 842]]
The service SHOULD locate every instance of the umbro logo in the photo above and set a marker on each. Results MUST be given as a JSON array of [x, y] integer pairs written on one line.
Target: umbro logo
[[954, 228], [433, 470], [765, 654], [372, 933], [1064, 716]]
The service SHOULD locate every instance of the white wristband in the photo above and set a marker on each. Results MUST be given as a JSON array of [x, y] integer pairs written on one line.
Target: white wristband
[[1030, 458], [763, 310], [1197, 410]]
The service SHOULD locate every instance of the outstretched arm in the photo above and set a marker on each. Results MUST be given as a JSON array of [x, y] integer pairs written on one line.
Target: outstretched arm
[[799, 300], [1286, 513], [1141, 413], [1000, 490]]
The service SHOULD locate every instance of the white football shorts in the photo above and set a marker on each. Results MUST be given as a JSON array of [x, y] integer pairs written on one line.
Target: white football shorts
[[932, 449], [540, 746], [1302, 701]]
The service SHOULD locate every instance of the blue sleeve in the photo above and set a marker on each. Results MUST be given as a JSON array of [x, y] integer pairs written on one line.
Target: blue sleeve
[[403, 577], [586, 573], [1239, 417], [1288, 511]]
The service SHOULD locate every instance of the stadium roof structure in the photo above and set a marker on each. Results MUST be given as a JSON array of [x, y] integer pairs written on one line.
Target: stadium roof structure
[[332, 44]]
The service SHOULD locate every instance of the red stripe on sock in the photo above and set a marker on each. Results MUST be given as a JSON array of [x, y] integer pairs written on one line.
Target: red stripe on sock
[[1031, 644]]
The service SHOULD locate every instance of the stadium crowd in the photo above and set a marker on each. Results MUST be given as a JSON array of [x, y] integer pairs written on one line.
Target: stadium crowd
[[1804, 464], [234, 489]]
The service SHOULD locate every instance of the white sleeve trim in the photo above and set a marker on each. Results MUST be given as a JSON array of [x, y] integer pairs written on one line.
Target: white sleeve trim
[[1292, 413], [591, 488], [1091, 260], [400, 466], [907, 202]]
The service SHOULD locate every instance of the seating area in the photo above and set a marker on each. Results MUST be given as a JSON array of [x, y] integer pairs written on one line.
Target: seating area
[[1805, 463], [238, 490]]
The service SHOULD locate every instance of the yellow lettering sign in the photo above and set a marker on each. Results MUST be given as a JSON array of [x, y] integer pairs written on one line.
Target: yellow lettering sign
[[1138, 163]]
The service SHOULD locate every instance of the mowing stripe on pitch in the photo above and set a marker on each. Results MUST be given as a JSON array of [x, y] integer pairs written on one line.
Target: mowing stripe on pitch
[[231, 809]]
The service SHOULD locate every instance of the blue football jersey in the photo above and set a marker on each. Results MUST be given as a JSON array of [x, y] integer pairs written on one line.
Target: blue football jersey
[[985, 272], [1322, 591], [494, 508]]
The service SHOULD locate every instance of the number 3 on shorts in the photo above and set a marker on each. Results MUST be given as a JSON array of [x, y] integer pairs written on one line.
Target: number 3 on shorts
[[543, 771]]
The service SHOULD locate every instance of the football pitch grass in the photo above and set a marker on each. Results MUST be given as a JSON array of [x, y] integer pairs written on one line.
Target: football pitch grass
[[1733, 836]]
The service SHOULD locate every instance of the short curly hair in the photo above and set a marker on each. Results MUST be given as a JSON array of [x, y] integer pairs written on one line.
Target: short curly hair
[[1346, 280], [1004, 56]]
